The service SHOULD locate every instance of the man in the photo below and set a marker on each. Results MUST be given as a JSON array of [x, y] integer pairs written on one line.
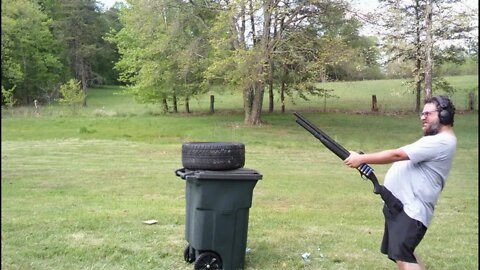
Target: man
[[416, 178]]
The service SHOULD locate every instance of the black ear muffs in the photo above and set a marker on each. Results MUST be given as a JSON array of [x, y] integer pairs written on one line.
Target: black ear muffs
[[444, 113]]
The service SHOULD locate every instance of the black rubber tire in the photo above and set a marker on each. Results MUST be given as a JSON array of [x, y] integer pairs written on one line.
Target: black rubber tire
[[188, 255], [208, 261], [215, 156]]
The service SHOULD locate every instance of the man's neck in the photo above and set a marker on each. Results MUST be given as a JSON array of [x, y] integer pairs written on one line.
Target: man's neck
[[446, 129]]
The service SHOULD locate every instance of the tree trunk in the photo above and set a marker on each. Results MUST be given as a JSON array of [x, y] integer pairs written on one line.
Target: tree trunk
[[270, 86], [165, 105], [428, 52], [252, 21], [175, 104], [247, 104], [83, 74], [272, 65], [282, 88], [418, 61], [253, 114], [418, 91], [79, 68], [282, 96]]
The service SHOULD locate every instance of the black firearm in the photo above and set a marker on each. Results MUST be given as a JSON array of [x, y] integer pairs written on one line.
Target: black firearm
[[392, 202]]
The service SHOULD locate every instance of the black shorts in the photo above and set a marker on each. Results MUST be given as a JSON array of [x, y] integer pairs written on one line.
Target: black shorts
[[401, 236]]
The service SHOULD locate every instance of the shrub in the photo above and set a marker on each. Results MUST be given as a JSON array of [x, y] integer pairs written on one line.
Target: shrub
[[8, 98], [72, 94]]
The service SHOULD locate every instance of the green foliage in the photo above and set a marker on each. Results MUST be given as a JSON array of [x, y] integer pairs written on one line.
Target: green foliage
[[351, 57], [181, 49], [11, 70], [327, 94], [415, 32], [72, 94], [79, 28], [442, 85], [469, 67], [392, 95], [29, 55], [103, 63], [162, 50], [8, 98], [46, 42], [404, 31]]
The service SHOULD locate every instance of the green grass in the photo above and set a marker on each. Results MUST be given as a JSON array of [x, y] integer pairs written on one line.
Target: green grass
[[392, 97], [75, 189]]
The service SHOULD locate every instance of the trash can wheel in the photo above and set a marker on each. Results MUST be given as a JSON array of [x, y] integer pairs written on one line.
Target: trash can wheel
[[208, 260], [189, 254]]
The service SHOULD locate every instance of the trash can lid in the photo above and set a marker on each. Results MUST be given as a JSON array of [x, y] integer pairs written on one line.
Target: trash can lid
[[237, 174]]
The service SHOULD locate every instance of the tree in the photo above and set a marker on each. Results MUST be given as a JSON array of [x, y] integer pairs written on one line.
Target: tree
[[103, 64], [30, 65], [170, 49], [77, 26], [326, 47], [415, 30], [163, 51], [252, 36], [428, 49], [102, 54]]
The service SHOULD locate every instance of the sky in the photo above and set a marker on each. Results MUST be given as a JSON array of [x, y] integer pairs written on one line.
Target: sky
[[109, 3], [362, 5], [368, 5]]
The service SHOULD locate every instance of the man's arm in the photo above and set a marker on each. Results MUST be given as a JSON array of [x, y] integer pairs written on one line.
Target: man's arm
[[383, 157]]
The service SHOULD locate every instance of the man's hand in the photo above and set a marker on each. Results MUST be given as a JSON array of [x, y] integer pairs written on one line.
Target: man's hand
[[384, 157], [354, 160]]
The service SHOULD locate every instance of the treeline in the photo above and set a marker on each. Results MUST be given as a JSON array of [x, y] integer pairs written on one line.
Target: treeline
[[168, 50], [47, 42]]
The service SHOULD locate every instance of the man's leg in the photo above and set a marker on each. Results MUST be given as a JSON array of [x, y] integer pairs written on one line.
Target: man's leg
[[419, 261], [402, 235], [411, 266]]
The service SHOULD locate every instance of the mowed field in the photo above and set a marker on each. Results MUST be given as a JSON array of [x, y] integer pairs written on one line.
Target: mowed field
[[77, 186]]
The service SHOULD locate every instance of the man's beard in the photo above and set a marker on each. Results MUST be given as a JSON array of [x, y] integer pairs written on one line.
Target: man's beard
[[432, 129]]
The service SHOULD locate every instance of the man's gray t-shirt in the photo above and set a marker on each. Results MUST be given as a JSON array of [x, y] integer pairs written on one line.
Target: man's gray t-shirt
[[417, 182]]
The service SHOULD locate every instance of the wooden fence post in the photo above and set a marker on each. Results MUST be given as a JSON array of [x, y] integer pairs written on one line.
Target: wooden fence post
[[374, 103], [212, 101], [187, 105], [471, 101]]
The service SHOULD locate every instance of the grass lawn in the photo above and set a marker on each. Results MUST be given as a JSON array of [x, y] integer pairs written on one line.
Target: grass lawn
[[76, 189]]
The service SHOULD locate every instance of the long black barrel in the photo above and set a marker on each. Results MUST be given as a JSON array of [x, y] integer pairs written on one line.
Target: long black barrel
[[392, 202], [336, 148], [323, 137]]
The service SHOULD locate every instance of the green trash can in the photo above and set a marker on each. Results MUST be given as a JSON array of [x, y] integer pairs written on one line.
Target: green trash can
[[216, 221]]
